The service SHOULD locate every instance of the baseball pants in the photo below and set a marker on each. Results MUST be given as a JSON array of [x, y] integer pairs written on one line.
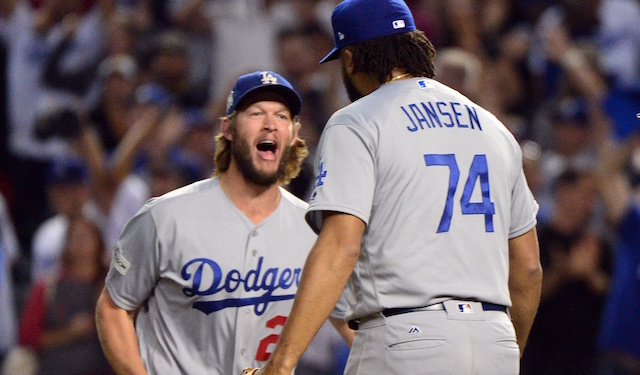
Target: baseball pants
[[458, 337]]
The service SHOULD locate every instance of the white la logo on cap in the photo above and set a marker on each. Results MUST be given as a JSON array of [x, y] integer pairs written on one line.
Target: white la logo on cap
[[267, 77], [398, 24], [340, 35]]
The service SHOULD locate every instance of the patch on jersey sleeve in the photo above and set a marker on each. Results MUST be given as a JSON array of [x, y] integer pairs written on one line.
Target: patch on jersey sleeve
[[120, 263]]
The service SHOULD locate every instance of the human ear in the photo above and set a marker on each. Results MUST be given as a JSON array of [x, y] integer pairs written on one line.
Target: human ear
[[225, 128], [347, 61], [295, 128]]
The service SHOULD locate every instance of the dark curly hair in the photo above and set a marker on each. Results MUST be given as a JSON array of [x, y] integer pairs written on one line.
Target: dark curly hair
[[410, 51]]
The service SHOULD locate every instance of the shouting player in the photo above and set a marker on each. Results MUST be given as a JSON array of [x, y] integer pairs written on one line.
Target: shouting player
[[423, 212], [203, 278]]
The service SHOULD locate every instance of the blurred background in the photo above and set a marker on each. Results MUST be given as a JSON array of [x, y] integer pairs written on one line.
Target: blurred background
[[106, 103]]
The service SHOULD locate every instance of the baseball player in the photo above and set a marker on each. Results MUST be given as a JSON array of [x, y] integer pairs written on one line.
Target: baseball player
[[203, 278], [423, 212]]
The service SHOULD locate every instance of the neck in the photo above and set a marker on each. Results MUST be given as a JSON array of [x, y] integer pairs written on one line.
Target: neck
[[398, 74], [255, 201], [399, 77]]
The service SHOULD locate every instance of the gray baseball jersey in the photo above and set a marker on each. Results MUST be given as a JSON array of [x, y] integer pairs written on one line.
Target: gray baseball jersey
[[438, 182], [215, 289]]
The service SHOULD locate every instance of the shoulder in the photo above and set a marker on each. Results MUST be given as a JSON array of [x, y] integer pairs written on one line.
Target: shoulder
[[185, 198]]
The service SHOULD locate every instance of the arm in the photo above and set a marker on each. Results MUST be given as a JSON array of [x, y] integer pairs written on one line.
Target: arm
[[80, 327], [343, 329], [615, 189], [329, 265], [118, 337], [525, 278], [109, 175]]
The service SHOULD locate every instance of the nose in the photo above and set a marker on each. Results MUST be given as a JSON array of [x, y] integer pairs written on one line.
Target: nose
[[269, 122]]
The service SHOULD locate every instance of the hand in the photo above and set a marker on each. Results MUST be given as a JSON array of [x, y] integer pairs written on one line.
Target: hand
[[558, 43], [82, 325], [264, 370], [584, 258], [250, 371]]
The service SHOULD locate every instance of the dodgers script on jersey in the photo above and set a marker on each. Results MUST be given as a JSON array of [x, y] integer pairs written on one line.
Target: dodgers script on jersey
[[444, 179], [222, 287]]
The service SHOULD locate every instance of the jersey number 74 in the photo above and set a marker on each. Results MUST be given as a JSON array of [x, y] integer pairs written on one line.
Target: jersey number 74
[[478, 170]]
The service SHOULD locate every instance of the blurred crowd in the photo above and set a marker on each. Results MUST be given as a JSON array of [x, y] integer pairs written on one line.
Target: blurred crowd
[[107, 103]]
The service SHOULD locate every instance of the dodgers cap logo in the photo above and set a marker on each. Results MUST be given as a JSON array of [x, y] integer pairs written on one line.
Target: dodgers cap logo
[[355, 21], [263, 81]]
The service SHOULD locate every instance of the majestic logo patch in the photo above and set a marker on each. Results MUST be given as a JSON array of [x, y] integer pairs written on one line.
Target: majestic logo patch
[[120, 263], [414, 329], [207, 278]]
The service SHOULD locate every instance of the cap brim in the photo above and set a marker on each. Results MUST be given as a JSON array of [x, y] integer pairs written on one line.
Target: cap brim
[[335, 52], [294, 102]]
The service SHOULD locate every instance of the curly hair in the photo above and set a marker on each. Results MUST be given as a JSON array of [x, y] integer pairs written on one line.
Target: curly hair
[[293, 163], [411, 51]]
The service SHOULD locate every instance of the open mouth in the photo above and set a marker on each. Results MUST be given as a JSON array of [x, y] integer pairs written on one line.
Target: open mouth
[[267, 149]]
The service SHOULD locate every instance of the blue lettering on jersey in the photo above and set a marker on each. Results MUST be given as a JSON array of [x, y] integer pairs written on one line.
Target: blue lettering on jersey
[[444, 114], [322, 173], [255, 280], [431, 112], [442, 108]]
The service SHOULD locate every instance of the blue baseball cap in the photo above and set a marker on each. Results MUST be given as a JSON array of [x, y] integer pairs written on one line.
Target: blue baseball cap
[[571, 110], [255, 82], [67, 171], [355, 21]]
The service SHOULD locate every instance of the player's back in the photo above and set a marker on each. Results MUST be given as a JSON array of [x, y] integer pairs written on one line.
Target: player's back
[[446, 199]]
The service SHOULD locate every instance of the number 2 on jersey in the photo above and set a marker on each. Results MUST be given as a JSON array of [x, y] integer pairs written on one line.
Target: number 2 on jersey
[[263, 354], [478, 170]]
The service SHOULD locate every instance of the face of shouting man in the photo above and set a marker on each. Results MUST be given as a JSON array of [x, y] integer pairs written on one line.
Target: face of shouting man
[[261, 138]]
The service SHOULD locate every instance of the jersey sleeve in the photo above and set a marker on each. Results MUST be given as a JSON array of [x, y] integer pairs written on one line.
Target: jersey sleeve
[[524, 208], [345, 175], [134, 267], [340, 309]]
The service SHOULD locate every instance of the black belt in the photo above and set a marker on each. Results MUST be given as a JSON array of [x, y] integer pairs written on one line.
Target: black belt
[[486, 306]]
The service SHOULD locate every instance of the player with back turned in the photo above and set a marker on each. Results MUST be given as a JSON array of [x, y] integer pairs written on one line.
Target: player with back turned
[[209, 271], [423, 212]]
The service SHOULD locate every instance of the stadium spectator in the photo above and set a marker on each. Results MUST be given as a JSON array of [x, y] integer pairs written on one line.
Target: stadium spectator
[[617, 181], [69, 194], [9, 253], [31, 35], [58, 318], [576, 263]]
